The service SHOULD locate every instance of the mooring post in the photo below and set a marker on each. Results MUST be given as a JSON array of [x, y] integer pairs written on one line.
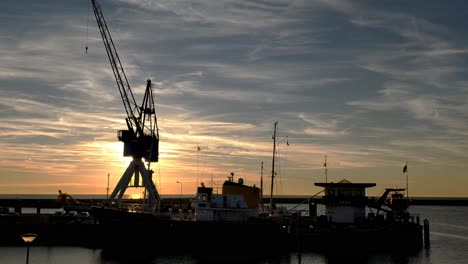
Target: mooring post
[[426, 234], [312, 209], [18, 208]]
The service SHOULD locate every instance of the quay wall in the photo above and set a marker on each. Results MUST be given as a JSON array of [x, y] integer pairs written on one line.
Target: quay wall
[[173, 202]]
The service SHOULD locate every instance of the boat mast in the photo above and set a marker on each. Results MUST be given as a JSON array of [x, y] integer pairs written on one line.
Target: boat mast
[[273, 168], [261, 187]]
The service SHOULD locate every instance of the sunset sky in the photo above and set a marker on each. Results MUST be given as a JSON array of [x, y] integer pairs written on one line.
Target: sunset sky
[[371, 85]]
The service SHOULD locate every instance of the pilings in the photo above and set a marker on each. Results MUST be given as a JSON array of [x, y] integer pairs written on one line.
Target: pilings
[[427, 242]]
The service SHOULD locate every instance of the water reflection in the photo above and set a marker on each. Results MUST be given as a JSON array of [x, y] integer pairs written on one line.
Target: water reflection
[[204, 257], [151, 255]]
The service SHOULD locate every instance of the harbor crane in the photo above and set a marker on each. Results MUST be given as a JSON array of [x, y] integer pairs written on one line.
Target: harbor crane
[[141, 138]]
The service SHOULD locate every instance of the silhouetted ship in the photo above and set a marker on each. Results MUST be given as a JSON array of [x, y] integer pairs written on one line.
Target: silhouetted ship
[[212, 221], [351, 221]]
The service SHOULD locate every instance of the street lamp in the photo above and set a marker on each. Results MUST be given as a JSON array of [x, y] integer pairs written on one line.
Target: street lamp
[[28, 238], [180, 198]]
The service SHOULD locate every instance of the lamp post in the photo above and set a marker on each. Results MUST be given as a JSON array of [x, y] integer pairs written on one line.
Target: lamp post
[[28, 238], [180, 197]]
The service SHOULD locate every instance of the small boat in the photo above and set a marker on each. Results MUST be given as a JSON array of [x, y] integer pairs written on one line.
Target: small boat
[[237, 202]]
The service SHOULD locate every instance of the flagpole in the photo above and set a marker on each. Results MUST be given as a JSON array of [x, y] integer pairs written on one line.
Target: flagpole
[[198, 161]]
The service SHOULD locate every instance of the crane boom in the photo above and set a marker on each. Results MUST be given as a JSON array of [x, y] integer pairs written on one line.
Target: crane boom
[[119, 73], [141, 139]]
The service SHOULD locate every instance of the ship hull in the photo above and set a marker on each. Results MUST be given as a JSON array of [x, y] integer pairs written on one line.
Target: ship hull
[[119, 232]]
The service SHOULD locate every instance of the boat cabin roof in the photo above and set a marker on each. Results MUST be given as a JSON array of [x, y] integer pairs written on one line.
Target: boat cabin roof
[[203, 189], [344, 184]]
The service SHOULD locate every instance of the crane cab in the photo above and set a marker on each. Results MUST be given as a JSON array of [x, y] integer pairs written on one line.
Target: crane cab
[[145, 146]]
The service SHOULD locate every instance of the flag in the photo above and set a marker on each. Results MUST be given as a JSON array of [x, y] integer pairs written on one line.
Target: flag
[[198, 148], [405, 168]]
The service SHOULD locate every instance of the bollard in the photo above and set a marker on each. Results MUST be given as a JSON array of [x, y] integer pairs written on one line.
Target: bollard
[[18, 209], [426, 234], [312, 209]]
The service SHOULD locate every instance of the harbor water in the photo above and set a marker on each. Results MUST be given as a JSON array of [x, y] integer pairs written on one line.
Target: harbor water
[[448, 244]]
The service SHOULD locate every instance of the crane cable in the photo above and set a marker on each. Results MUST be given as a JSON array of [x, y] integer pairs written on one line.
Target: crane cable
[[87, 25]]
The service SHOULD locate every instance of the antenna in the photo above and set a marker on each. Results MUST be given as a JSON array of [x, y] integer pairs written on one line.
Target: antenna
[[107, 189], [211, 183]]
